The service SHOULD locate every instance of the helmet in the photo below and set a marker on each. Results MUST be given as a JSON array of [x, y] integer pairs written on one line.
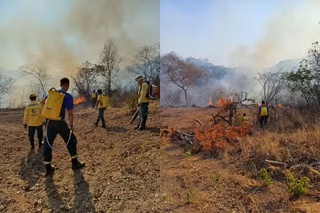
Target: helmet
[[138, 78], [32, 95]]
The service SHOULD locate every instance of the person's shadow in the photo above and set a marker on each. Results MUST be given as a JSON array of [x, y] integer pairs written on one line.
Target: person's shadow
[[55, 200], [82, 196], [31, 168]]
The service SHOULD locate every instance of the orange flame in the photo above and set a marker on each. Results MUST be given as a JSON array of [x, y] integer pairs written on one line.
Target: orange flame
[[79, 100], [282, 107], [221, 102], [224, 102]]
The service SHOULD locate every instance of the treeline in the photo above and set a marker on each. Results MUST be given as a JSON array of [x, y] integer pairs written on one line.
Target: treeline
[[299, 87], [107, 74]]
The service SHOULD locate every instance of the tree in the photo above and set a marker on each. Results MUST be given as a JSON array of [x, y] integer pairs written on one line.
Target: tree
[[5, 85], [85, 79], [109, 63], [40, 74], [180, 73], [147, 62], [300, 81], [272, 84], [307, 79]]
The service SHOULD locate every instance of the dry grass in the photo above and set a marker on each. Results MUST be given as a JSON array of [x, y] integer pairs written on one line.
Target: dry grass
[[231, 182]]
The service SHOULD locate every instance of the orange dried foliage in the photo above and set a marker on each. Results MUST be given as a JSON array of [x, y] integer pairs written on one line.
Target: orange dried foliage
[[219, 137]]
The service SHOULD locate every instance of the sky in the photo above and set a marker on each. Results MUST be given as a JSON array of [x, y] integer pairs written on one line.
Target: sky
[[239, 32], [63, 34]]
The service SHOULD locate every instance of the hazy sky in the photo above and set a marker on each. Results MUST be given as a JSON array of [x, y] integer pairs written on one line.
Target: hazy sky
[[239, 32], [62, 34]]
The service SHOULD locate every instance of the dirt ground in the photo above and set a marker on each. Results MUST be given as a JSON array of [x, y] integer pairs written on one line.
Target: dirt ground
[[122, 172], [202, 183]]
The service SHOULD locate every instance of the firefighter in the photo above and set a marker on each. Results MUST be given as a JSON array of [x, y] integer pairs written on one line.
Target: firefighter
[[93, 98], [243, 118], [263, 114], [33, 120], [61, 127], [101, 108], [143, 102]]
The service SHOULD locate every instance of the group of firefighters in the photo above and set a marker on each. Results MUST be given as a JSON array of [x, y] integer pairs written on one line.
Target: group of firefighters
[[263, 115], [33, 121]]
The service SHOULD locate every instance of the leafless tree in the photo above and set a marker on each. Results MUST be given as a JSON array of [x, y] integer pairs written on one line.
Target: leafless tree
[[272, 84], [109, 63], [180, 73], [5, 85], [40, 74], [85, 79], [147, 62], [23, 93]]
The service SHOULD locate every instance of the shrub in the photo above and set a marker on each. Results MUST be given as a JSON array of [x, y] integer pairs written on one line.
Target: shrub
[[297, 187], [190, 196], [219, 136], [132, 101], [265, 176], [187, 154]]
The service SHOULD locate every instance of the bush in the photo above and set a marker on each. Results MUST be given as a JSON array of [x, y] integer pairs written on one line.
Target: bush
[[297, 187], [221, 135], [265, 176], [132, 101], [115, 101]]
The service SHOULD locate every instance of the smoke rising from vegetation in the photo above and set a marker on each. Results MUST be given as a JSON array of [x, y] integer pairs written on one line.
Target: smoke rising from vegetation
[[61, 35], [287, 35]]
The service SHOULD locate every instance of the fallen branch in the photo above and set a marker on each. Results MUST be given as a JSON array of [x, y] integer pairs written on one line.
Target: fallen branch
[[276, 162], [185, 134], [198, 122]]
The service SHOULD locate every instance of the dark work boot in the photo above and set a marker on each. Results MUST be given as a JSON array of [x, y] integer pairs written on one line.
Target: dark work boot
[[49, 169], [76, 164], [40, 144], [137, 127], [32, 144], [142, 124]]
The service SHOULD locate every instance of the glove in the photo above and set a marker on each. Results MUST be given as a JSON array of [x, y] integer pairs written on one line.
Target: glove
[[71, 128], [25, 126], [139, 104]]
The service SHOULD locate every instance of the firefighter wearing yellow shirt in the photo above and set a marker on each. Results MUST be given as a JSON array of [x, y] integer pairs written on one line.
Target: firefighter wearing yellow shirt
[[243, 118], [143, 102], [33, 121], [263, 114], [101, 108]]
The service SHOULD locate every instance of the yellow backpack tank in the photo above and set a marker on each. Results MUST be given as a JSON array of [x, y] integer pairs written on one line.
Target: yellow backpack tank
[[263, 111], [105, 101], [53, 105]]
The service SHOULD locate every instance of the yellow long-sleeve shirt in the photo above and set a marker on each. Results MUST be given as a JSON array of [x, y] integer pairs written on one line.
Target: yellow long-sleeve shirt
[[143, 90], [32, 114], [100, 101]]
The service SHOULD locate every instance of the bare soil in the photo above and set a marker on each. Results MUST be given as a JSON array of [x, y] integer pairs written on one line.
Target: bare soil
[[122, 172], [230, 183]]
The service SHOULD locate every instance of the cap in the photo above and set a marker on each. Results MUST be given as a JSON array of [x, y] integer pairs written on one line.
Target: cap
[[33, 95], [138, 77]]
